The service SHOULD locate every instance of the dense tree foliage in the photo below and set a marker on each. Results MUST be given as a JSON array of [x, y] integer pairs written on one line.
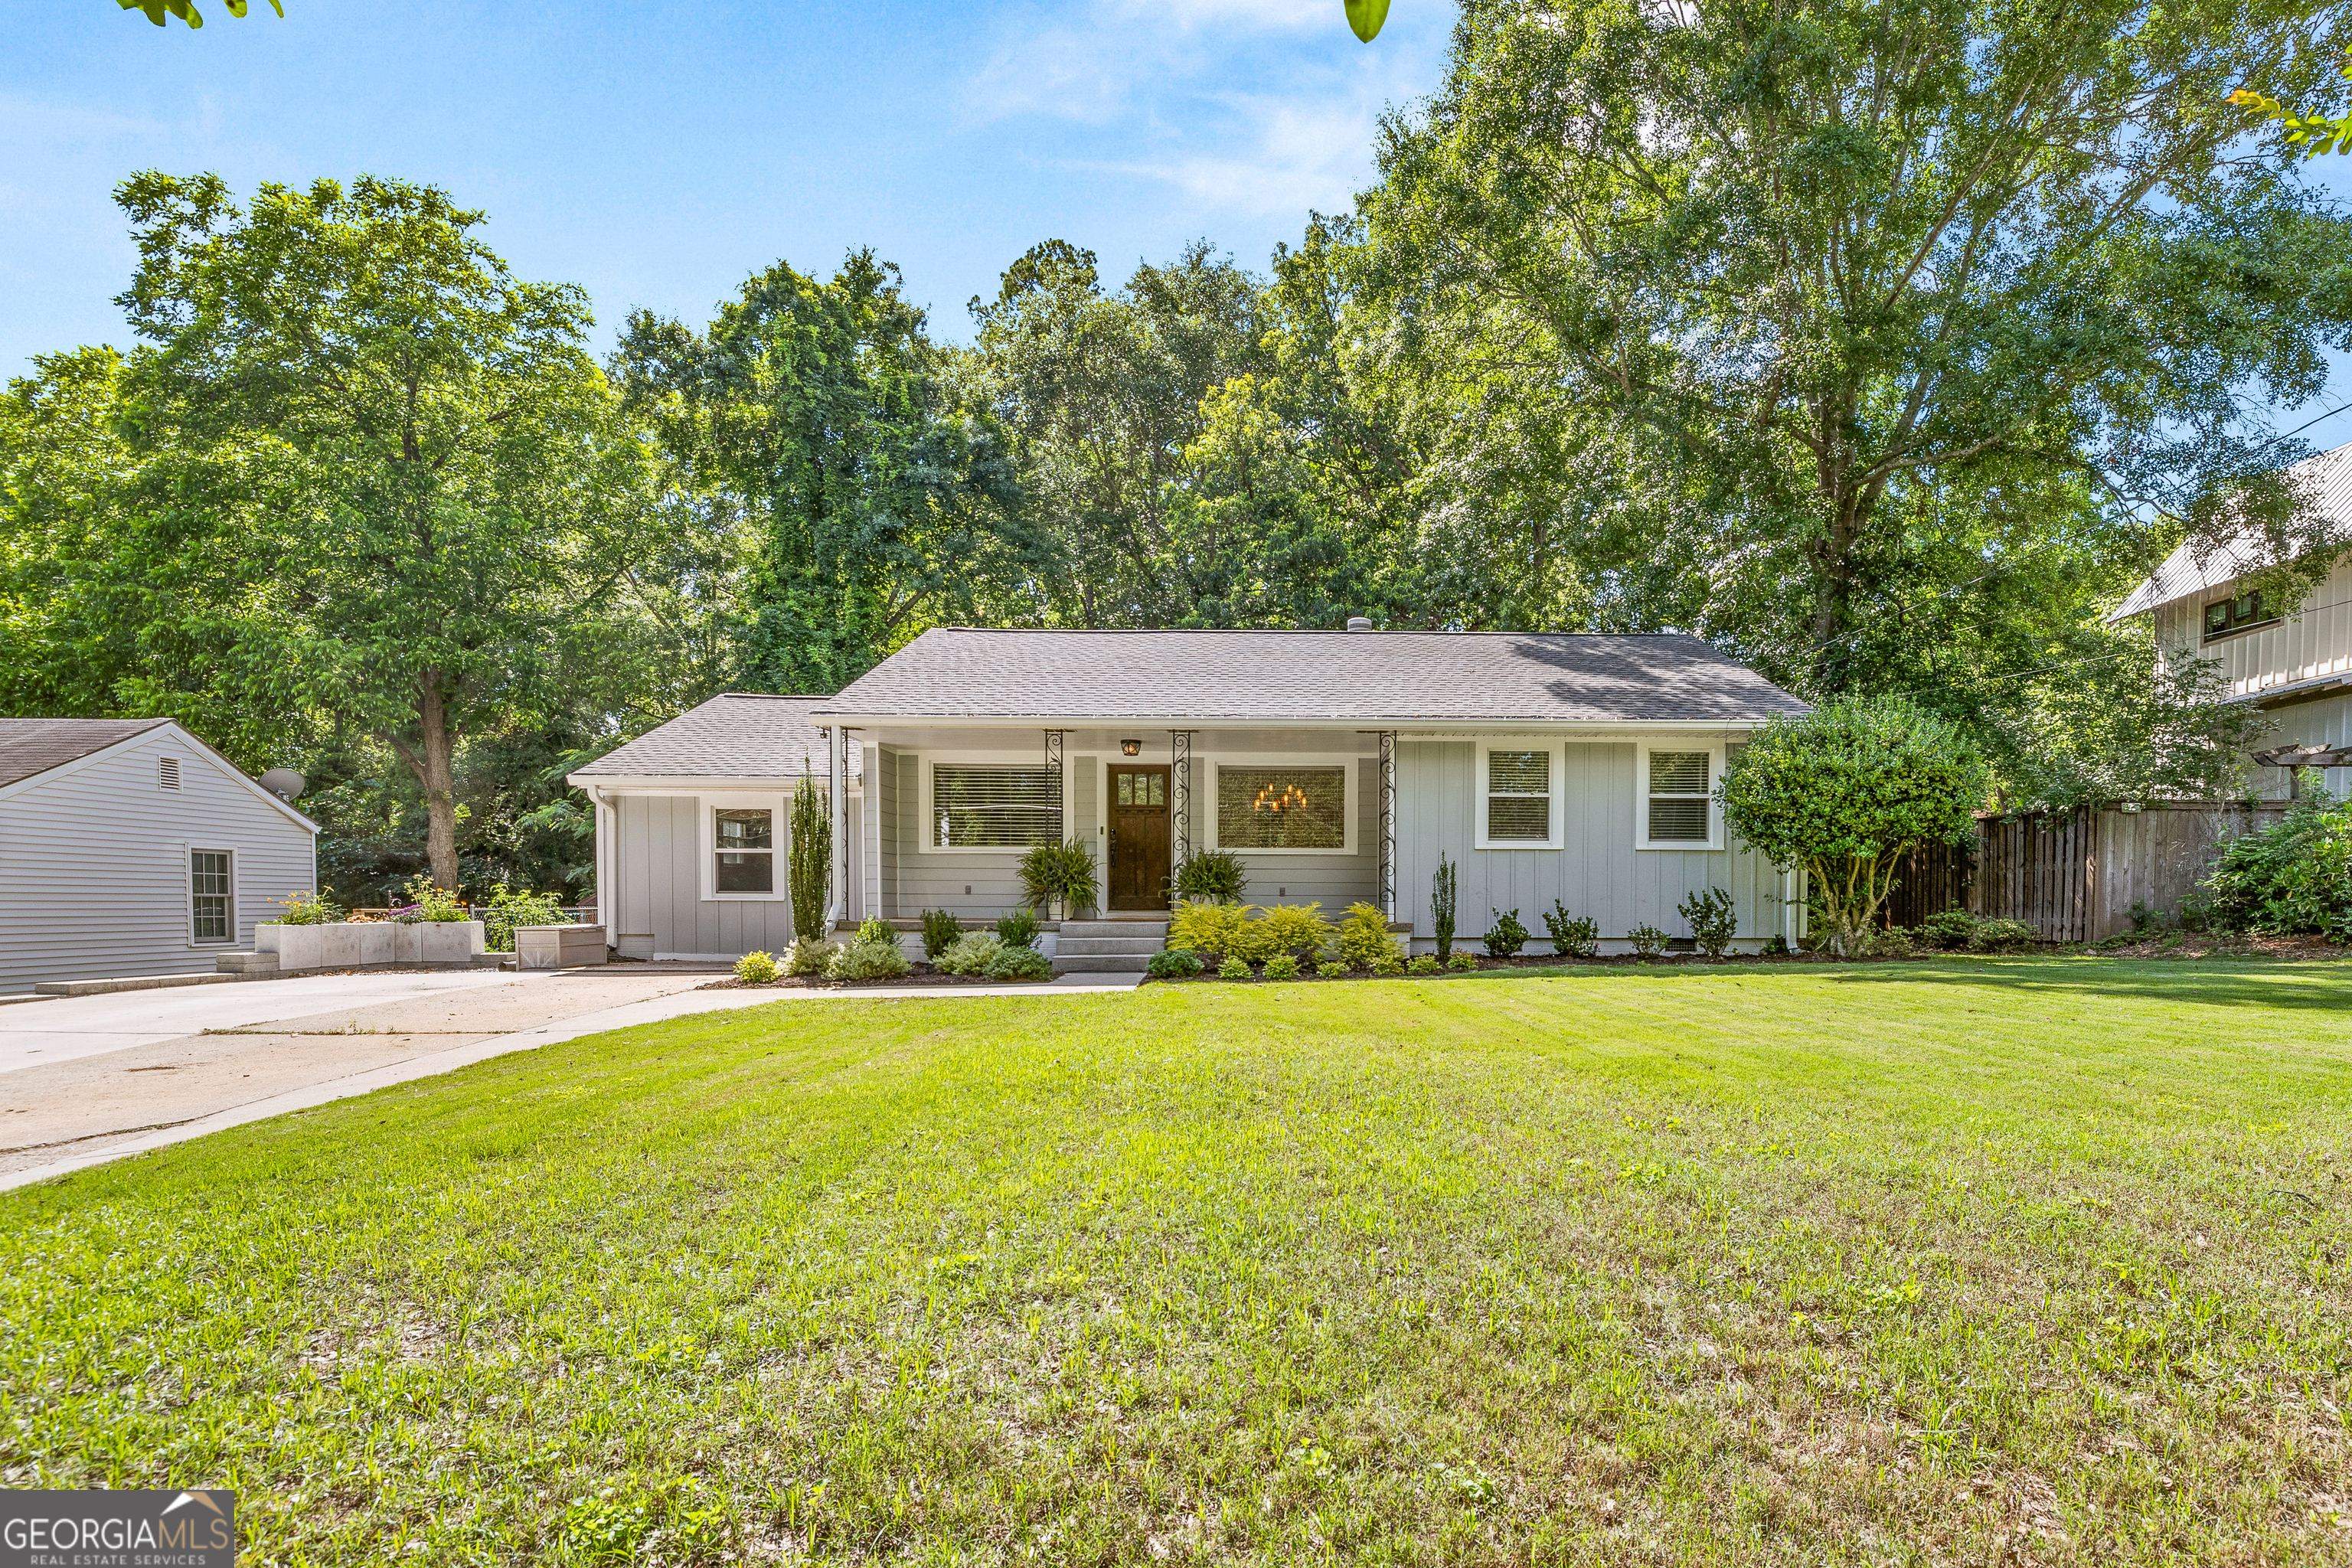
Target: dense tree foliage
[[1885, 344], [817, 411], [1857, 285], [365, 491]]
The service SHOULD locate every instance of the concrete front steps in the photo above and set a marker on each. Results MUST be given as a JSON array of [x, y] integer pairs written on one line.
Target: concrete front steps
[[1122, 944]]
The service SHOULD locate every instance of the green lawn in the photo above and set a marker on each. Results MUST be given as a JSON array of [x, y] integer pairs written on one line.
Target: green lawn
[[2041, 1261]]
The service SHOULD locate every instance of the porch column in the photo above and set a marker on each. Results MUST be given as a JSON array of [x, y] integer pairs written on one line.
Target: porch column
[[836, 741], [1388, 823], [1055, 793], [1180, 780]]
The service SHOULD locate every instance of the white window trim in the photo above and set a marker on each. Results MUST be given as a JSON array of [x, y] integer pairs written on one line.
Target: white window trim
[[1642, 839], [188, 853], [706, 815], [1205, 795], [1000, 759], [1553, 838]]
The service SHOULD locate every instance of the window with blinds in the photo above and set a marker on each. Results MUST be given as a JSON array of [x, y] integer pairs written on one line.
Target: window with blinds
[[1519, 797], [1679, 788], [975, 808], [210, 917], [1282, 808]]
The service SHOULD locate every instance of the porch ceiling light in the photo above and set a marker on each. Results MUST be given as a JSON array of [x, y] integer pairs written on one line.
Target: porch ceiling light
[[1130, 748]]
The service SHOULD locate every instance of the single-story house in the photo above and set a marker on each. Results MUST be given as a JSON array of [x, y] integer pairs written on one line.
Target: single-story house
[[2294, 662], [1337, 766], [130, 847]]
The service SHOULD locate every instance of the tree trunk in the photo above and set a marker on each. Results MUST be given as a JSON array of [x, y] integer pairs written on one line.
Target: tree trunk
[[432, 761]]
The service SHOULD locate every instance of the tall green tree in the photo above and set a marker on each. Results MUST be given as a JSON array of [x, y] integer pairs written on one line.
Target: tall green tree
[[1824, 275], [382, 480], [1104, 392], [817, 410]]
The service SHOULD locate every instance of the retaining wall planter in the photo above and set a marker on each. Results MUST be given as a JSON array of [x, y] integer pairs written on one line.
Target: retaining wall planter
[[436, 942], [356, 945]]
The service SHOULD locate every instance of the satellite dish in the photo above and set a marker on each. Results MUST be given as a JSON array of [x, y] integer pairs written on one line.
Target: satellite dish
[[284, 782]]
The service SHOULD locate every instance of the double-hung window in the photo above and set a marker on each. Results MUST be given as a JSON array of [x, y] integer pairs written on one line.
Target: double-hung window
[[981, 807], [744, 849], [1519, 808], [212, 897], [1678, 810]]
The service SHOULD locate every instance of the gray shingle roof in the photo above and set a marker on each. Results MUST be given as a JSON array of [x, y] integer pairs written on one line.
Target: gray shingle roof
[[738, 735], [1387, 678], [29, 746]]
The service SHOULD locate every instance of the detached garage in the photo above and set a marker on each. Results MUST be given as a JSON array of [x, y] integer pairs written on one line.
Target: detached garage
[[130, 847]]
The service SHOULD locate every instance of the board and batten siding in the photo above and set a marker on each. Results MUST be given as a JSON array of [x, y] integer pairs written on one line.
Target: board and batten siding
[[936, 878], [2313, 644], [94, 863], [658, 863], [1597, 871]]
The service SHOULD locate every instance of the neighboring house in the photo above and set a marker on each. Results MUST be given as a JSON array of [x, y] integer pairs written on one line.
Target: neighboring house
[[1338, 765], [130, 847], [2294, 662]]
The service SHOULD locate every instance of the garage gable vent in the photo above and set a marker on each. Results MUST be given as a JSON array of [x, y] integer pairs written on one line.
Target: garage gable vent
[[167, 772]]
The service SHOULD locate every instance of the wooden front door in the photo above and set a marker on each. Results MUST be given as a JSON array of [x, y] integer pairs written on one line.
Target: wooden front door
[[1138, 837]]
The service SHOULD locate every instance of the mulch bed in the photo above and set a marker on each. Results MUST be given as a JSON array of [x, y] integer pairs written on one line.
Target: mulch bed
[[2172, 946], [924, 975]]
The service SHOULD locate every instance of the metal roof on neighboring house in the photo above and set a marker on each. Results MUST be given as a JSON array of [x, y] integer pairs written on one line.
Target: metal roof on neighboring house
[[738, 734], [2198, 566], [1303, 677], [29, 746]]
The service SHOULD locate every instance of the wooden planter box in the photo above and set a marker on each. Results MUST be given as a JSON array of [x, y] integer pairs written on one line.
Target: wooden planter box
[[360, 946], [557, 947]]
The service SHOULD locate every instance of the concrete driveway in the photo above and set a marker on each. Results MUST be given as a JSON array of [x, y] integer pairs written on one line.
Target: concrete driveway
[[85, 1080]]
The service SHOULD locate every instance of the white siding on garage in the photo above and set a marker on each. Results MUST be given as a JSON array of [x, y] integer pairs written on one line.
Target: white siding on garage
[[1597, 871], [94, 863]]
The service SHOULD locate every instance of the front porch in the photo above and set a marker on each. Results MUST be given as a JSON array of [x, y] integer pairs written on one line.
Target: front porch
[[947, 813]]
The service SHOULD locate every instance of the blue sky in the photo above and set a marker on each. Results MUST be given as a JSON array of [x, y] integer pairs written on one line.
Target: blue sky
[[660, 153]]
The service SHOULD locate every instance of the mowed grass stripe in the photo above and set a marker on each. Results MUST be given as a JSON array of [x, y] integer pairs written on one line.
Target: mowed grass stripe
[[1898, 1263]]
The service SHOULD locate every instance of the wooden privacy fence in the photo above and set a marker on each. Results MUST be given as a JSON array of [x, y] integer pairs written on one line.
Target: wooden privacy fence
[[2073, 876]]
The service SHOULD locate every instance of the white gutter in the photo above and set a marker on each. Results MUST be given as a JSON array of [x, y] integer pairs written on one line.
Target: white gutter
[[1423, 727]]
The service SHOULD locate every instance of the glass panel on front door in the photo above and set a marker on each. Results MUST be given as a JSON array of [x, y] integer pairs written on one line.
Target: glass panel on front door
[[1139, 838]]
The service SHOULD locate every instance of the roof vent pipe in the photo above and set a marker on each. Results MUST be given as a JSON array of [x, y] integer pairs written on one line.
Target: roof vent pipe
[[1359, 623]]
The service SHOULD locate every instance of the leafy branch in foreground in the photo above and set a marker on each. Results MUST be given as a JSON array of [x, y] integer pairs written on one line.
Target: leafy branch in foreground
[[158, 9], [2315, 133]]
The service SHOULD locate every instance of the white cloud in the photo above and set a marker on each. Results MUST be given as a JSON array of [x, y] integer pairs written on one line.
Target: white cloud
[[1084, 66], [1285, 158], [1247, 109]]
